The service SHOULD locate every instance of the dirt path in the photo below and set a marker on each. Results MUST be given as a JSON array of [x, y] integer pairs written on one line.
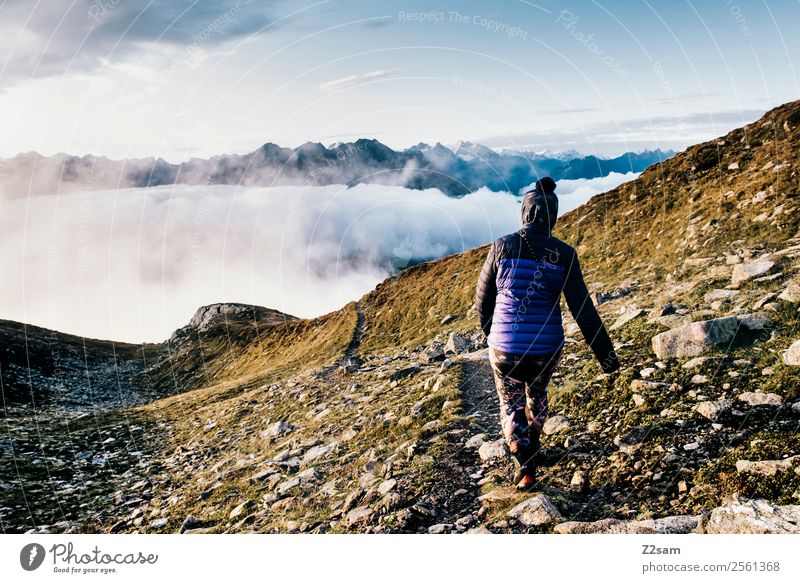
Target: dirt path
[[352, 348], [480, 395], [358, 333]]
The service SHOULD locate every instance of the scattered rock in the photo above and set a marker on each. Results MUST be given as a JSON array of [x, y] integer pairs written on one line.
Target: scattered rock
[[240, 509], [276, 430], [447, 319], [359, 516], [580, 481], [418, 407], [747, 271], [391, 501], [475, 441], [491, 450], [387, 486], [303, 478], [317, 452], [352, 499], [721, 294], [535, 511], [629, 315], [159, 523], [660, 311], [754, 322], [695, 362], [456, 344], [792, 292], [498, 494], [639, 385], [792, 355], [630, 441], [712, 410], [405, 372], [435, 353], [555, 424], [263, 475], [647, 372]]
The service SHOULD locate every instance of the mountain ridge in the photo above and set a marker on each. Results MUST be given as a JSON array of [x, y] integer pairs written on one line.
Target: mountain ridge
[[313, 164]]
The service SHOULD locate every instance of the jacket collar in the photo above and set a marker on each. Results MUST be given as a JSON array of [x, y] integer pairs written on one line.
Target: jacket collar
[[536, 228]]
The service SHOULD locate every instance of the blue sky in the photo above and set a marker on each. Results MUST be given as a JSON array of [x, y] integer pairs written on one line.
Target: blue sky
[[179, 79]]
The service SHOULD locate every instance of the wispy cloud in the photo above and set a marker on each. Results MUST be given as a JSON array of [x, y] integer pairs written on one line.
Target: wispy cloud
[[51, 37], [682, 98], [354, 80], [615, 137]]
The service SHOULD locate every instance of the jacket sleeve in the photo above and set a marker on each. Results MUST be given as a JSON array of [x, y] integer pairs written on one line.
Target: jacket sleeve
[[486, 293], [585, 314]]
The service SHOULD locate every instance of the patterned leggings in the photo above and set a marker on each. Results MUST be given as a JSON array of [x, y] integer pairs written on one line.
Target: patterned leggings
[[521, 383]]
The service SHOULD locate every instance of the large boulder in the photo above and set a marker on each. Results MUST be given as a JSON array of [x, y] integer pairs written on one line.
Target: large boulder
[[761, 399], [698, 337], [768, 468]]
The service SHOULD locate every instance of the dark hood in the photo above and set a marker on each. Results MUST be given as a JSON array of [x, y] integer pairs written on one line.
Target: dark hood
[[540, 205]]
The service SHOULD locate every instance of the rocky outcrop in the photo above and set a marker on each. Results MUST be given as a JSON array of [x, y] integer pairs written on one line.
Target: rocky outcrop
[[212, 314], [668, 525], [753, 517]]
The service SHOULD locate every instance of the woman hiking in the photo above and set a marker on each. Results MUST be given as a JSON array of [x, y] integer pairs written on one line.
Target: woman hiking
[[518, 301]]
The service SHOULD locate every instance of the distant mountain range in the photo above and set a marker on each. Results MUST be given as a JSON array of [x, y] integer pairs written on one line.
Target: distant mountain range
[[455, 171]]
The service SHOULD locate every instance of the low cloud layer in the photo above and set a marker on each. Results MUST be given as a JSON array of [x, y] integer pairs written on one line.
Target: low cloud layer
[[134, 264]]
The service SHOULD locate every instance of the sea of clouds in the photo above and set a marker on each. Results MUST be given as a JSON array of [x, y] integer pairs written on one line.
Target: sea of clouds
[[134, 264]]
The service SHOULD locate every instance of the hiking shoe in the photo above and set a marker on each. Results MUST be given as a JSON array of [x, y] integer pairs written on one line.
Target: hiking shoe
[[525, 476], [527, 483]]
